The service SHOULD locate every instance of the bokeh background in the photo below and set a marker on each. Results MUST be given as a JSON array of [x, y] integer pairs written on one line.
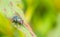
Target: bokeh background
[[42, 15]]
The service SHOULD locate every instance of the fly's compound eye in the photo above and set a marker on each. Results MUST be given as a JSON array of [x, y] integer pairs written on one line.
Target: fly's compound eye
[[17, 20]]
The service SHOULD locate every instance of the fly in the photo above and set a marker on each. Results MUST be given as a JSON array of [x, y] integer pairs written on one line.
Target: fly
[[17, 20]]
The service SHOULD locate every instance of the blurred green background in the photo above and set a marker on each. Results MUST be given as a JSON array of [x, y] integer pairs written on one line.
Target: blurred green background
[[43, 16]]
